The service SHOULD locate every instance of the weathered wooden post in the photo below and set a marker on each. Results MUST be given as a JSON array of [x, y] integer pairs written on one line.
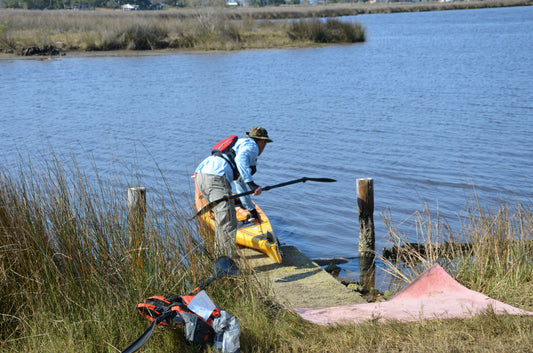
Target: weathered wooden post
[[367, 268], [367, 235], [365, 207], [136, 215]]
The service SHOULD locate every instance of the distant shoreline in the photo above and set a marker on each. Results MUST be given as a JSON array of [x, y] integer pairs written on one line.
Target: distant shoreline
[[239, 13], [353, 9]]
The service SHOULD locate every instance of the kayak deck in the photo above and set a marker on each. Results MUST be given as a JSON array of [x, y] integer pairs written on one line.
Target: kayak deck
[[250, 233]]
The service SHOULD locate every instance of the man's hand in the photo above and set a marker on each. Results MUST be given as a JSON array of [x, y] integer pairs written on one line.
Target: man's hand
[[257, 191], [255, 188]]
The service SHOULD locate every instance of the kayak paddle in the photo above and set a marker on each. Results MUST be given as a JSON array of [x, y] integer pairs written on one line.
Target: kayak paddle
[[212, 204], [224, 266]]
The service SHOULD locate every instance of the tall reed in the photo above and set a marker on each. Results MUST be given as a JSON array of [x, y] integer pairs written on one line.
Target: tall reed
[[501, 264], [67, 263], [491, 253]]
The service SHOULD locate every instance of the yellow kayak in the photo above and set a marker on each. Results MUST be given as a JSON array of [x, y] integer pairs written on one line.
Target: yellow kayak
[[250, 233]]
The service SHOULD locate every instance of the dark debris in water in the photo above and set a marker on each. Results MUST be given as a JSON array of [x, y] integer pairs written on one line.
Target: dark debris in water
[[45, 50], [410, 252]]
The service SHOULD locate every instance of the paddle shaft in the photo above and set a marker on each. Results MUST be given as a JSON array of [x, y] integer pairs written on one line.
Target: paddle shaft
[[146, 335], [212, 204], [203, 284]]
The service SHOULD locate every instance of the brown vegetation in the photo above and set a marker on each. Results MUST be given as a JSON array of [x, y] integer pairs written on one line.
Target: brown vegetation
[[143, 30], [199, 29]]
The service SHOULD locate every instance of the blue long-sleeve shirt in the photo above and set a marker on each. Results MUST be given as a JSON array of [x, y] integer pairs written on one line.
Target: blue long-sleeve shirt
[[246, 152]]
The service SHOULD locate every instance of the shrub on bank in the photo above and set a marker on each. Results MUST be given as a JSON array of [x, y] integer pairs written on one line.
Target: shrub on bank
[[330, 31], [147, 37]]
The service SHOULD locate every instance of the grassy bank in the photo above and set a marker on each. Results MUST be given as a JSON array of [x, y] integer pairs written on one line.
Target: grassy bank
[[207, 29], [198, 29], [71, 275]]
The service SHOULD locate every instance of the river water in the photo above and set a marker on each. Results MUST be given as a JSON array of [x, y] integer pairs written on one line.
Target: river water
[[430, 105]]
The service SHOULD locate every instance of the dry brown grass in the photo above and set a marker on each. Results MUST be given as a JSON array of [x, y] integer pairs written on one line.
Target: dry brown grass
[[200, 29], [112, 30]]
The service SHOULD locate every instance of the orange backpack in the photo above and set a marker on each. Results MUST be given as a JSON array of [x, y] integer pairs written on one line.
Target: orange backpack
[[197, 330]]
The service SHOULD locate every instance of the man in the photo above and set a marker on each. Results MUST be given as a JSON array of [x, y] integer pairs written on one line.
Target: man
[[214, 177]]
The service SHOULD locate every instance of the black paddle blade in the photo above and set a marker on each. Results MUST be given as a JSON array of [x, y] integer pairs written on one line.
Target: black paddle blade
[[226, 266], [322, 180], [205, 209]]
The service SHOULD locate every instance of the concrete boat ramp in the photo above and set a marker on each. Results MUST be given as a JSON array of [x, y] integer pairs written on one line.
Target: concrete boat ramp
[[299, 282], [303, 286]]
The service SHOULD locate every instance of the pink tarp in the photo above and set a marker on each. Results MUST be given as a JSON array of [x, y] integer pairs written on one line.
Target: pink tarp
[[433, 295]]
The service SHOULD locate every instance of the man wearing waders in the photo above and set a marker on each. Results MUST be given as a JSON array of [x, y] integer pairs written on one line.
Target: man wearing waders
[[215, 175]]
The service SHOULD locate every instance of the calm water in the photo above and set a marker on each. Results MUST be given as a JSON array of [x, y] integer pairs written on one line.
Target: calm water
[[431, 104]]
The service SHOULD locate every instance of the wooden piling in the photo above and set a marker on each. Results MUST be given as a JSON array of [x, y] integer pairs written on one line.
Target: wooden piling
[[367, 268], [365, 207], [136, 215]]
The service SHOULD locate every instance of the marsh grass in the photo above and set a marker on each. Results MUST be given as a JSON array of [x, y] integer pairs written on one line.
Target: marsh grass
[[329, 31], [67, 261], [498, 260], [211, 28], [501, 264], [71, 275], [112, 30]]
